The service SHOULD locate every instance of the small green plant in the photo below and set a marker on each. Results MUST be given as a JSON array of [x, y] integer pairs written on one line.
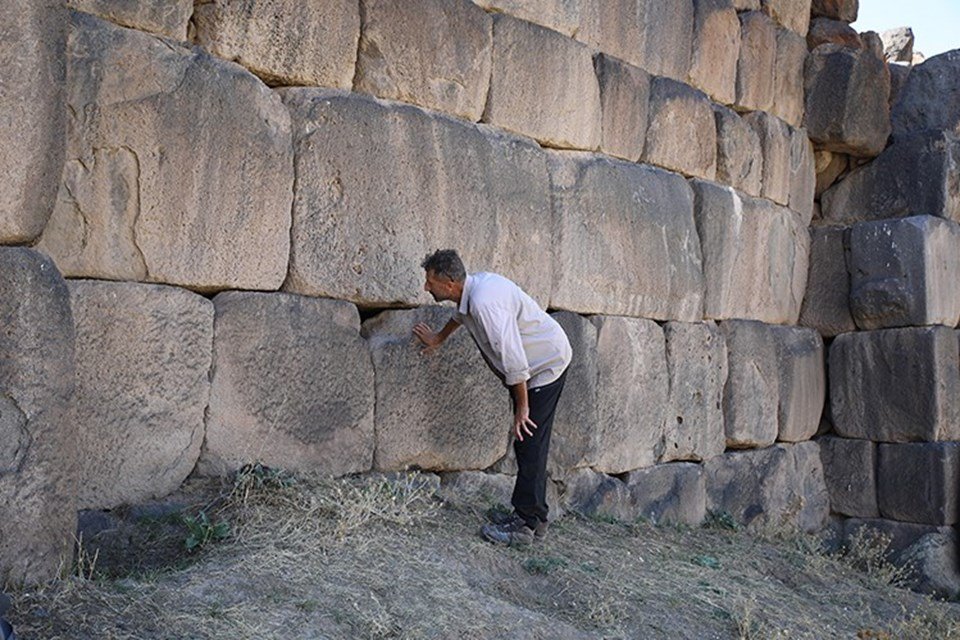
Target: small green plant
[[543, 566], [201, 531]]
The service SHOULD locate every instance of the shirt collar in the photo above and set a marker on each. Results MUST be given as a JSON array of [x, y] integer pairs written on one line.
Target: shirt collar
[[465, 296]]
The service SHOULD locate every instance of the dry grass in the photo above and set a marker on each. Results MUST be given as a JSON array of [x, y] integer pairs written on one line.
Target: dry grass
[[311, 557]]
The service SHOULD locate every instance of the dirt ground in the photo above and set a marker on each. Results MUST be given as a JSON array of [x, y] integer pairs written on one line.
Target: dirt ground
[[281, 557]]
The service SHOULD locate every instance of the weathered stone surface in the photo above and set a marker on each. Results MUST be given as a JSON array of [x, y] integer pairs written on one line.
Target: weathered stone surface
[[788, 77], [896, 385], [667, 36], [754, 256], [432, 53], [751, 394], [792, 14], [802, 374], [739, 154], [716, 49], [807, 492], [828, 30], [756, 73], [569, 17], [904, 272], [774, 135], [803, 175], [179, 167], [573, 442], [617, 30], [829, 167], [850, 471], [32, 114], [624, 98], [919, 482], [847, 93], [632, 392], [143, 362], [930, 99], [163, 17], [443, 412], [681, 134], [380, 186], [669, 494], [917, 175], [899, 535], [308, 352], [934, 559], [625, 242], [898, 44], [588, 492], [285, 42], [826, 304], [697, 364], [38, 454], [543, 85], [845, 10], [476, 487], [899, 73]]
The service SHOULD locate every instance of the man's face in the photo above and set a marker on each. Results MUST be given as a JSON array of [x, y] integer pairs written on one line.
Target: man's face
[[439, 287]]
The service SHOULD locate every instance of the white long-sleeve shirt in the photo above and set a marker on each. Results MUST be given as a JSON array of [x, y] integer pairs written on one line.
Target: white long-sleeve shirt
[[518, 338]]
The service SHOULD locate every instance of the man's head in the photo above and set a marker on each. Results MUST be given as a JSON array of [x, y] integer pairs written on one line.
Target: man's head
[[445, 275]]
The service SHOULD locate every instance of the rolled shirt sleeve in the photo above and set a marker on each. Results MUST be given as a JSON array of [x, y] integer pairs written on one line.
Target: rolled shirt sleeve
[[502, 331]]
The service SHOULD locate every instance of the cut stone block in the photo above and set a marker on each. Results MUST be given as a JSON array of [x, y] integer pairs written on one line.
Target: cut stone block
[[900, 537], [716, 49], [473, 488], [919, 482], [792, 14], [432, 53], [934, 559], [625, 97], [899, 73], [930, 99], [285, 42], [752, 392], [802, 374], [669, 494], [576, 424], [38, 435], [183, 176], [293, 386], [589, 493], [898, 44], [681, 134], [826, 304], [162, 17], [569, 17], [850, 470], [847, 93], [543, 85], [803, 175], [625, 242], [143, 364], [697, 363], [845, 10], [774, 135], [915, 176], [808, 500], [617, 30], [32, 114], [756, 69], [788, 77], [379, 186], [667, 36], [739, 154], [442, 412], [827, 30], [904, 272], [896, 385]]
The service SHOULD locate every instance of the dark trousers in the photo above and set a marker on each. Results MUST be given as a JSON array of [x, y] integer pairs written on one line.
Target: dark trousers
[[530, 492]]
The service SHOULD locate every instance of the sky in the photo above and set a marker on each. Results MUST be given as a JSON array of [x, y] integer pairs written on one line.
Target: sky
[[935, 23]]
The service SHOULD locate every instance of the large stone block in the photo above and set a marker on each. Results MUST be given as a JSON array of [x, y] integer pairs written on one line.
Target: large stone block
[[681, 133], [444, 411], [569, 17], [930, 99], [543, 85], [792, 14], [38, 435], [617, 29], [432, 53], [179, 167], [824, 30], [826, 304], [32, 114], [904, 272], [379, 186], [669, 494], [850, 471], [716, 49], [899, 74], [898, 44], [285, 42], [756, 68], [697, 364], [143, 382], [896, 385], [788, 77], [915, 176], [589, 493], [846, 106], [625, 98], [625, 242], [803, 386], [803, 175], [754, 256], [667, 36], [739, 154], [845, 10], [830, 167], [752, 392], [163, 17], [919, 482], [934, 560], [293, 386], [576, 424], [774, 135], [807, 491]]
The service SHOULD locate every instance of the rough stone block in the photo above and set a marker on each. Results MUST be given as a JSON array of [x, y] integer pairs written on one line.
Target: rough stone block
[[625, 98], [379, 186], [847, 93], [919, 482], [543, 85], [896, 385], [803, 175], [681, 134], [572, 442], [827, 30], [898, 44], [807, 492], [32, 114], [442, 412], [904, 272], [850, 471], [625, 242], [774, 135], [617, 30], [934, 559], [739, 154], [669, 494], [38, 435], [752, 392], [792, 14], [472, 488], [285, 42], [756, 68], [899, 73], [914, 176], [845, 10], [716, 49], [746, 5], [179, 167], [930, 99], [162, 17], [826, 304], [788, 77], [667, 36], [569, 17], [588, 492], [899, 536], [697, 364], [830, 167], [802, 374], [432, 53]]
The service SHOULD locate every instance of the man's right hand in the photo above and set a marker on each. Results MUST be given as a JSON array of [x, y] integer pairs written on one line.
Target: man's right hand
[[428, 337]]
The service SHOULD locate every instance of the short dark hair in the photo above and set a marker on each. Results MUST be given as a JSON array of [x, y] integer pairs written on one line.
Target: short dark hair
[[445, 263]]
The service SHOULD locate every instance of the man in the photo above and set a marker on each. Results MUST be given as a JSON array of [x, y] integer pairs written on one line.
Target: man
[[530, 353]]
